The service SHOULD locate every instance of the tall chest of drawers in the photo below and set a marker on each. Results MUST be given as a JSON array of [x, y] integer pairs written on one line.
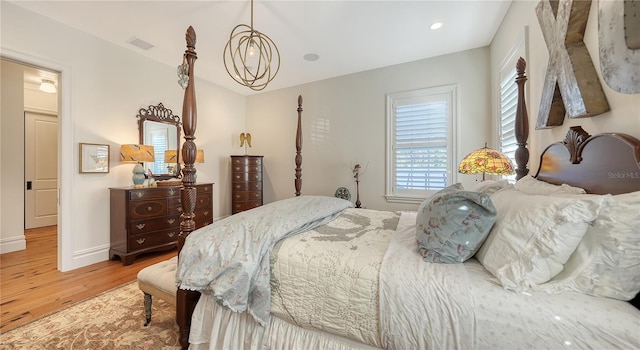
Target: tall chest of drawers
[[246, 180], [146, 220]]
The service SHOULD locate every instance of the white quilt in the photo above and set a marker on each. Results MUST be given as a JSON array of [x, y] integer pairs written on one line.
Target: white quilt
[[327, 278]]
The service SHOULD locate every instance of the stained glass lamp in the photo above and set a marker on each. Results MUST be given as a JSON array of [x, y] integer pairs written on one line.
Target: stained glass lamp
[[486, 161]]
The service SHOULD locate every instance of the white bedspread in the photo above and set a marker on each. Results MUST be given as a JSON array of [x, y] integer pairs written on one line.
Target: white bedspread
[[461, 306], [230, 257], [327, 278]]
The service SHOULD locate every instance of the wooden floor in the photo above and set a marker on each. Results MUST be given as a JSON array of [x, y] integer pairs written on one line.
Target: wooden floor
[[31, 285]]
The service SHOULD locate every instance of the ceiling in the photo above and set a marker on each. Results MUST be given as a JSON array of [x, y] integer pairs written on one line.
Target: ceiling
[[348, 36]]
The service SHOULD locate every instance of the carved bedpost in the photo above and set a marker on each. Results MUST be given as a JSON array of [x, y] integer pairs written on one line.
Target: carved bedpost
[[298, 180], [186, 300], [522, 123]]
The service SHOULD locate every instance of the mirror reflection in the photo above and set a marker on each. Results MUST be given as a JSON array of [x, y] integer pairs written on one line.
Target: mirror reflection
[[160, 128]]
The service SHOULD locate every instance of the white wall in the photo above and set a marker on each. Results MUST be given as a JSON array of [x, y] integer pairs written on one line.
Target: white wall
[[12, 163], [103, 87], [625, 108], [344, 123]]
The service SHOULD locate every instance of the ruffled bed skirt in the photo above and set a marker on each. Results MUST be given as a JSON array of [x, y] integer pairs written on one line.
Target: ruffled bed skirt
[[215, 327]]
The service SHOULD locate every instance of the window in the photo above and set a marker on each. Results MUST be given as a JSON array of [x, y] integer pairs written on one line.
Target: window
[[420, 141], [508, 102]]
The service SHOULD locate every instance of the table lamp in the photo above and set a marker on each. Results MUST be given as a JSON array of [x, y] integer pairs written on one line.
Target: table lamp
[[137, 154], [486, 161]]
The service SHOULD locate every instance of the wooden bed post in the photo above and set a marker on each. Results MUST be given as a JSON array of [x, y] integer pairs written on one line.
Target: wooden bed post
[[521, 123], [186, 300], [298, 180]]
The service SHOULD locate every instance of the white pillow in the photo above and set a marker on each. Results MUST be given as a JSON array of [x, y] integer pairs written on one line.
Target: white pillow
[[489, 186], [606, 263], [530, 185], [534, 236]]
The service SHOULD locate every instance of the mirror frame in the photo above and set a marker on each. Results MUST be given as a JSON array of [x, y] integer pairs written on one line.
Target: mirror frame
[[163, 115]]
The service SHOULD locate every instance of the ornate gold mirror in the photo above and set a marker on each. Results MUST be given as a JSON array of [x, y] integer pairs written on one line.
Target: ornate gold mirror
[[160, 128]]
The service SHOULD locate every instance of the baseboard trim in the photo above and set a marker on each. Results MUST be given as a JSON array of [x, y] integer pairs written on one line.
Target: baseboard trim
[[13, 244]]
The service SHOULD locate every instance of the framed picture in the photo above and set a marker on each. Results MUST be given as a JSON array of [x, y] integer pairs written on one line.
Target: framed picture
[[94, 158]]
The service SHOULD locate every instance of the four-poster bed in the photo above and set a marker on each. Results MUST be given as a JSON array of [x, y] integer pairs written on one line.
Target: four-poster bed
[[351, 280]]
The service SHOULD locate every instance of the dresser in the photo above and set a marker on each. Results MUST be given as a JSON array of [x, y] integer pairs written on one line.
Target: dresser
[[148, 219], [246, 181]]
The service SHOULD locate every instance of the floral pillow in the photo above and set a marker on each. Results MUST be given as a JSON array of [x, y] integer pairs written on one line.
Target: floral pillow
[[452, 224]]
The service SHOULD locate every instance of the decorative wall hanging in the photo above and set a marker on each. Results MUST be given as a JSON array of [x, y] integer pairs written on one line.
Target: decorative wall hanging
[[94, 158], [571, 85], [245, 141], [619, 42]]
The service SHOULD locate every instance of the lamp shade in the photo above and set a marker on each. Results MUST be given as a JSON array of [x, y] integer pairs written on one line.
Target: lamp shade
[[171, 155], [136, 153], [486, 161]]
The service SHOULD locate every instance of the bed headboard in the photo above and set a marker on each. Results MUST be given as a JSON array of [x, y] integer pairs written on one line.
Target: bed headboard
[[601, 164]]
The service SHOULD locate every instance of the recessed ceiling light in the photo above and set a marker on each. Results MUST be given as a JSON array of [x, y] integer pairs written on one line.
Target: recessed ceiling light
[[436, 25], [311, 57]]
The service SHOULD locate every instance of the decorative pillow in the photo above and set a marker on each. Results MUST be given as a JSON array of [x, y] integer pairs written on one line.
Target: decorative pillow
[[534, 236], [607, 260], [530, 185], [452, 224]]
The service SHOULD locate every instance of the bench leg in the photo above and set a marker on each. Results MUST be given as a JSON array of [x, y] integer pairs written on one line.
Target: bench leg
[[147, 308]]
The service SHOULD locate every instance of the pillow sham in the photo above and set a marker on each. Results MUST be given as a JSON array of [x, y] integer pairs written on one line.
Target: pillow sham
[[530, 185], [452, 224], [534, 236], [606, 263]]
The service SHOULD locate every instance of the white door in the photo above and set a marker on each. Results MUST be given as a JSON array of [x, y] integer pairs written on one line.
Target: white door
[[41, 170]]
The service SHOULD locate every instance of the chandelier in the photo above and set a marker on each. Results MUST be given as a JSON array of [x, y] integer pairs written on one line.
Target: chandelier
[[250, 57]]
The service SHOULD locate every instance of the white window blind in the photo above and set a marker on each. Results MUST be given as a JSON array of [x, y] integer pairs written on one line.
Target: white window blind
[[419, 143], [508, 102], [160, 143], [508, 105]]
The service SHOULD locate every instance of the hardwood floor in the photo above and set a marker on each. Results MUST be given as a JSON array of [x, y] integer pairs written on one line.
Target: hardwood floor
[[31, 285]]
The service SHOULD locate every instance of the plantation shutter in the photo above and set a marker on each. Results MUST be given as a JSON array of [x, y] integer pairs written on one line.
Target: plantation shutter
[[421, 143], [160, 142], [508, 105]]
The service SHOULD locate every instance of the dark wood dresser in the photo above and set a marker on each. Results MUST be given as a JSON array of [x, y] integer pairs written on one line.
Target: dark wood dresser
[[246, 179], [148, 219]]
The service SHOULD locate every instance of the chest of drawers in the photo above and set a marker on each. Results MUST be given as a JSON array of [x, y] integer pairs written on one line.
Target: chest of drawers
[[148, 219], [246, 181]]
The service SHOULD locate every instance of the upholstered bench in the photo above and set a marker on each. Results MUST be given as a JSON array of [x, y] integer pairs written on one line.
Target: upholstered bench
[[158, 280]]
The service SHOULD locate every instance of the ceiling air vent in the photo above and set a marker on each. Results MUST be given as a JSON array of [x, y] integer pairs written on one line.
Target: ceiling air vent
[[140, 43]]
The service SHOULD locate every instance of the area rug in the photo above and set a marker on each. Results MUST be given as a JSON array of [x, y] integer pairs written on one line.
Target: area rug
[[111, 320]]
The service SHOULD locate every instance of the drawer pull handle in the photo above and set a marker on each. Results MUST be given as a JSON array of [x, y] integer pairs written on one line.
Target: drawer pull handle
[[171, 221], [149, 208], [171, 234], [180, 209], [172, 191], [206, 213], [141, 240], [202, 201], [139, 194], [140, 226]]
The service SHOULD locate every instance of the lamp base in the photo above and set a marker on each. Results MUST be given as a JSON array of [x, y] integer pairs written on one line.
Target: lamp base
[[138, 176]]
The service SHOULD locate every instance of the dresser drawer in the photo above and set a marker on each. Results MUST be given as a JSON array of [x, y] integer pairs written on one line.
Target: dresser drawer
[[151, 193], [153, 239], [203, 201], [148, 209], [246, 177], [247, 195], [240, 206], [203, 217], [246, 160], [246, 169], [142, 226], [248, 186]]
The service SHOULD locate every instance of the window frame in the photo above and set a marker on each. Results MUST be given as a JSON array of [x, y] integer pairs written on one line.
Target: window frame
[[392, 194], [519, 49]]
